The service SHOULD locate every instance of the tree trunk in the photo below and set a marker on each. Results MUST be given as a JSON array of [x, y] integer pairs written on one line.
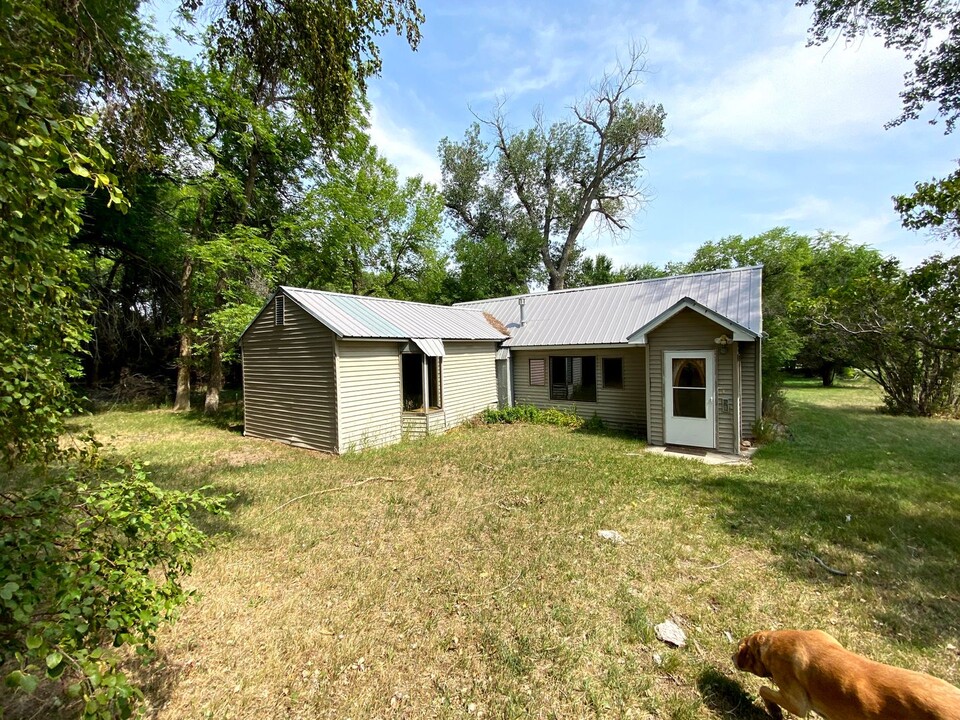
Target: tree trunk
[[828, 373], [211, 404], [187, 323]]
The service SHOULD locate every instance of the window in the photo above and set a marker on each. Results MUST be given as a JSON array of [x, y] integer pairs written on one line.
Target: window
[[278, 310], [538, 371], [690, 387], [613, 372], [573, 378], [411, 382]]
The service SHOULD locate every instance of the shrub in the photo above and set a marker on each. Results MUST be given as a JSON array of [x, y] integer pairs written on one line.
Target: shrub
[[533, 415], [91, 559]]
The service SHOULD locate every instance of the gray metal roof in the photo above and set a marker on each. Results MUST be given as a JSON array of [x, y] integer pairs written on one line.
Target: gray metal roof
[[353, 316], [609, 314]]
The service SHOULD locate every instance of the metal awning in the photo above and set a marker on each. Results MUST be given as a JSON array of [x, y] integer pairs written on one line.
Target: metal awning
[[431, 347], [503, 353]]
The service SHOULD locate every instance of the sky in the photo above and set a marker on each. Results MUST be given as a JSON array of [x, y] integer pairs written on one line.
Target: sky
[[762, 130]]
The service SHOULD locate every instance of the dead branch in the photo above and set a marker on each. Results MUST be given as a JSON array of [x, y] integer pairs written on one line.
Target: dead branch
[[351, 486]]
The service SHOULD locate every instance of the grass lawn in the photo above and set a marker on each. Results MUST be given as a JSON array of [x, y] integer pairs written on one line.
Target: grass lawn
[[463, 576]]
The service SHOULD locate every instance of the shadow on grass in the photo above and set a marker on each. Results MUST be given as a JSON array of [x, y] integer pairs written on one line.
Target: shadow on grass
[[874, 496], [726, 697]]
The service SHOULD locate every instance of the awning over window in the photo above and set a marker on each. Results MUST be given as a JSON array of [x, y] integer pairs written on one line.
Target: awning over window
[[431, 347]]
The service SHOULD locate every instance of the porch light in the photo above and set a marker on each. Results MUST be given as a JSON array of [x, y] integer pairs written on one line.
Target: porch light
[[722, 341]]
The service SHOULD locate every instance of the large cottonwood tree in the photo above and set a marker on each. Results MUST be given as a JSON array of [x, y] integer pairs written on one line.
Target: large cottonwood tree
[[534, 191]]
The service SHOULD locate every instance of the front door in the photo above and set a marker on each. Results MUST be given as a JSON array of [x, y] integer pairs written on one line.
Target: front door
[[690, 381]]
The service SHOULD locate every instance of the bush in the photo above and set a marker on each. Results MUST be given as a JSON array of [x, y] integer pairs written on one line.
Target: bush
[[91, 559], [533, 415]]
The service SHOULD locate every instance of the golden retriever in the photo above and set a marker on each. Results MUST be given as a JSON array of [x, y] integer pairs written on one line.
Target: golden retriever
[[814, 672]]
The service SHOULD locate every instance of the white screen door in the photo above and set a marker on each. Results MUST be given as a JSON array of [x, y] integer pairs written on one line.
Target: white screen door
[[689, 381]]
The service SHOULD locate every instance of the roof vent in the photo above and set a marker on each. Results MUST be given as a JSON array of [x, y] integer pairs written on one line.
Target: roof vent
[[523, 310], [278, 311]]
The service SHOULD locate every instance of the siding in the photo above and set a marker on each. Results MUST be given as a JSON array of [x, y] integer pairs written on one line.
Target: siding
[[689, 330], [623, 408], [289, 387], [370, 405], [748, 383], [469, 381]]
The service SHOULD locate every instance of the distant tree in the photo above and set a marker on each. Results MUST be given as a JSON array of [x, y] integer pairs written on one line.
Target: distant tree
[[367, 232], [927, 32], [786, 288], [834, 264], [599, 270], [532, 192], [904, 330]]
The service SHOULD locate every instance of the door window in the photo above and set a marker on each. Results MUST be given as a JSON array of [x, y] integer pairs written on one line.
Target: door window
[[690, 387]]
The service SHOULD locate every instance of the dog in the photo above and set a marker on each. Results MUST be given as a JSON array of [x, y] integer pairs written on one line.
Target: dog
[[815, 672]]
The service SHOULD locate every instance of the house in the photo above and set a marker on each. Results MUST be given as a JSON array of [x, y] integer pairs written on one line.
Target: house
[[337, 372], [675, 359]]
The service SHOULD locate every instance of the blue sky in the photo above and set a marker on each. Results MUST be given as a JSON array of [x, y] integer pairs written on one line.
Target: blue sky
[[762, 130]]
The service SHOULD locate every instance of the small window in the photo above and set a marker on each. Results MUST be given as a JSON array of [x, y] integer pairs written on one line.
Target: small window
[[613, 372], [573, 378], [538, 371], [278, 310]]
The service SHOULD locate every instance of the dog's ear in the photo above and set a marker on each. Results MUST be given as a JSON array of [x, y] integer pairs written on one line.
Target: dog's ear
[[748, 657]]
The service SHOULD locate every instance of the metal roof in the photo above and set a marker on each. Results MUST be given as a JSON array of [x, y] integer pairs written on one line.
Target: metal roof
[[430, 346], [609, 314], [353, 316]]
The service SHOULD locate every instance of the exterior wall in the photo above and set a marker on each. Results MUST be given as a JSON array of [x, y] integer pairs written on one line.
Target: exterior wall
[[289, 380], [369, 398], [623, 408], [689, 330], [748, 383], [469, 381]]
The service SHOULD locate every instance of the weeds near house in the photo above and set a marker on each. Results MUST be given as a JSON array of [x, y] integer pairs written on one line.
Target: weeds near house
[[465, 578]]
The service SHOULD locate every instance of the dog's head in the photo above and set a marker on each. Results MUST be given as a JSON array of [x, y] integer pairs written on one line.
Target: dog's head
[[748, 656]]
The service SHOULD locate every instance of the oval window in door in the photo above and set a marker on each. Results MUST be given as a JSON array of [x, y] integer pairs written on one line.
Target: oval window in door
[[690, 387]]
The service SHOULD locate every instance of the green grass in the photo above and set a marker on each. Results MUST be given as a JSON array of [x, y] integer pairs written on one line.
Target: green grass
[[463, 575]]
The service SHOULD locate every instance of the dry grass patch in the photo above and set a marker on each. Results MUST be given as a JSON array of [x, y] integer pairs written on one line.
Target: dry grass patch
[[465, 576]]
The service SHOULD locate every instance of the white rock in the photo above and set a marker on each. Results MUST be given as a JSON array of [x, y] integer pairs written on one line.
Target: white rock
[[611, 535], [670, 633]]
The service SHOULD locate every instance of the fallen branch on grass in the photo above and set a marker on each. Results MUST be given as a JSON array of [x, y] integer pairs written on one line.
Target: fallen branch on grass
[[357, 484], [829, 569], [495, 592]]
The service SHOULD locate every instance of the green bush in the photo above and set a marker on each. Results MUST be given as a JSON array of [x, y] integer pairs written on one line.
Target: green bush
[[92, 556], [533, 415]]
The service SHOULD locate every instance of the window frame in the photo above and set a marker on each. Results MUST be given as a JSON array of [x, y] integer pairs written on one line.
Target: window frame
[[603, 373], [571, 390]]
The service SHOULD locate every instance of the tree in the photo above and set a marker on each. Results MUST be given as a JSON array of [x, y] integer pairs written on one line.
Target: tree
[[904, 329], [785, 286], [599, 270], [927, 32], [835, 263], [545, 184], [364, 231]]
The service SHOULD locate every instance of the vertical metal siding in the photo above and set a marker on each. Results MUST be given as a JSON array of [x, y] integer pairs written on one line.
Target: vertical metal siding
[[623, 408], [369, 386], [689, 330], [289, 389], [469, 381]]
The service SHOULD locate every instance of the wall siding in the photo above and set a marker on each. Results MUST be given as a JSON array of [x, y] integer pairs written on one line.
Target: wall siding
[[370, 404], [469, 381], [748, 383], [289, 384], [623, 408], [689, 330]]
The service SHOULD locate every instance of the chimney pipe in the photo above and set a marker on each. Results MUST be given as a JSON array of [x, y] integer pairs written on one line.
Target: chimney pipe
[[523, 311]]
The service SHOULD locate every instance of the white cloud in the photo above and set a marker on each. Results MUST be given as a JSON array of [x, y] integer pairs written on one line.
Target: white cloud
[[791, 97], [400, 146]]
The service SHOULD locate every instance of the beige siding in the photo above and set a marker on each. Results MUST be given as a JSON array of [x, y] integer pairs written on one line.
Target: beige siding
[[370, 406], [623, 408], [689, 330], [289, 387], [469, 380], [748, 383]]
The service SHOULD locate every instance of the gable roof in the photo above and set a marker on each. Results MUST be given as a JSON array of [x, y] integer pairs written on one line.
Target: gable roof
[[611, 314], [354, 316]]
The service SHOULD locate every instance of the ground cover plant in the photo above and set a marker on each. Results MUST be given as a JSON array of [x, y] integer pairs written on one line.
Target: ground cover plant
[[463, 576]]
